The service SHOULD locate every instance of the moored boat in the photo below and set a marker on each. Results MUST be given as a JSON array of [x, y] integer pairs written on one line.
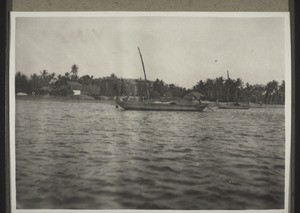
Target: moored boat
[[156, 106], [232, 107], [162, 105]]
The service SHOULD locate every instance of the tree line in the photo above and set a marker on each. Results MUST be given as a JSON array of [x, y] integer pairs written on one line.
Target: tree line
[[223, 90], [36, 82], [234, 90]]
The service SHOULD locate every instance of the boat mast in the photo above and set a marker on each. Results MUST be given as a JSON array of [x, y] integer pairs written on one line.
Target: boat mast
[[144, 73], [228, 87]]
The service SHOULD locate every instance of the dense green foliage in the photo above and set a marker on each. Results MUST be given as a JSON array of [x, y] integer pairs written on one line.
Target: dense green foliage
[[214, 89]]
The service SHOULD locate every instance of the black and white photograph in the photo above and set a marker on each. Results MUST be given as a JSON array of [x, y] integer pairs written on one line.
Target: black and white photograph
[[150, 111]]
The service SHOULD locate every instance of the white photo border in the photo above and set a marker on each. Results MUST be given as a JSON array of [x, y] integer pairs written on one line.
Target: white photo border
[[12, 101]]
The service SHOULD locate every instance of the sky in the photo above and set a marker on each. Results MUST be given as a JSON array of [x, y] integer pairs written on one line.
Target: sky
[[179, 50]]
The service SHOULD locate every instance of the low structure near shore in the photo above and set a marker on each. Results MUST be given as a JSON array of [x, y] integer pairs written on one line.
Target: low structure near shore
[[72, 88]]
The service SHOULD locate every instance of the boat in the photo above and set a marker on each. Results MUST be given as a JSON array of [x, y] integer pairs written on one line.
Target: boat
[[236, 105], [147, 105], [233, 107], [156, 106]]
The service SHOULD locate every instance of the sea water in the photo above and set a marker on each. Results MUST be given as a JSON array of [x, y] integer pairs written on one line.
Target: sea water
[[91, 155]]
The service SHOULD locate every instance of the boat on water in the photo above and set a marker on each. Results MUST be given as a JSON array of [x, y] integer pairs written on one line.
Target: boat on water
[[160, 105], [236, 105], [233, 106]]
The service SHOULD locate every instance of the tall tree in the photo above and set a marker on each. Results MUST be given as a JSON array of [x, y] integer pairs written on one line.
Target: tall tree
[[199, 87], [282, 92], [238, 86], [74, 72], [67, 75], [209, 85], [113, 75], [123, 89], [35, 82], [257, 91], [85, 80], [219, 87], [52, 78], [271, 92], [44, 75], [22, 83], [159, 87]]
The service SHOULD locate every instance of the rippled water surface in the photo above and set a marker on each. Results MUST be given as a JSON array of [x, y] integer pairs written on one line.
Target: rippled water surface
[[91, 155]]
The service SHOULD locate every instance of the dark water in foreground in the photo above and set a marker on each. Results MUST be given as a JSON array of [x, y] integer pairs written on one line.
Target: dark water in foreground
[[91, 155]]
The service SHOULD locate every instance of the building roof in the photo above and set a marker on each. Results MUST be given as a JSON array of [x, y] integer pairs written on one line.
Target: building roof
[[196, 95], [74, 85], [62, 87]]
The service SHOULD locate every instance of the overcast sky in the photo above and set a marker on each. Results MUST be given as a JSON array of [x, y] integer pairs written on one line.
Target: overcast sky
[[180, 50]]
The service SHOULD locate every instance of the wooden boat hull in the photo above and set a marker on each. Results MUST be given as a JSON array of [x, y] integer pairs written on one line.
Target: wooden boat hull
[[233, 107], [160, 107]]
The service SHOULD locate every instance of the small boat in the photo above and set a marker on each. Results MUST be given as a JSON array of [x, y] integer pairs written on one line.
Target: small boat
[[232, 107], [163, 106], [158, 105]]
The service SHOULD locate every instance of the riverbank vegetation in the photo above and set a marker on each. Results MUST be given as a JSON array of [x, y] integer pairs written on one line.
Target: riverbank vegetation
[[45, 82]]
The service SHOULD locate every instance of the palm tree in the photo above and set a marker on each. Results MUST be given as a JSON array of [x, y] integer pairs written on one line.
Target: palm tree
[[85, 80], [209, 84], [22, 84], [281, 91], [123, 89], [35, 82], [159, 87], [67, 75], [272, 91], [60, 80], [219, 86], [247, 91], [74, 72], [52, 78], [258, 92], [238, 85], [44, 75], [199, 87], [275, 85], [113, 75]]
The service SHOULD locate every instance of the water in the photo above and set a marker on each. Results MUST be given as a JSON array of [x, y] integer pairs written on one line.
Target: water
[[91, 155]]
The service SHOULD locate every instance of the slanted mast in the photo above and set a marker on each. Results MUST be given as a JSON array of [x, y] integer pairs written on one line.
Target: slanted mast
[[144, 73]]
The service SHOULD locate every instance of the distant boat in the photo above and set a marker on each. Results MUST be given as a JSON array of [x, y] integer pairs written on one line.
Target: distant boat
[[231, 106], [159, 105]]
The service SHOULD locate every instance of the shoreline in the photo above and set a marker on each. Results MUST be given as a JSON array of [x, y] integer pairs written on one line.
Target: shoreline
[[251, 105], [62, 98], [109, 99]]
